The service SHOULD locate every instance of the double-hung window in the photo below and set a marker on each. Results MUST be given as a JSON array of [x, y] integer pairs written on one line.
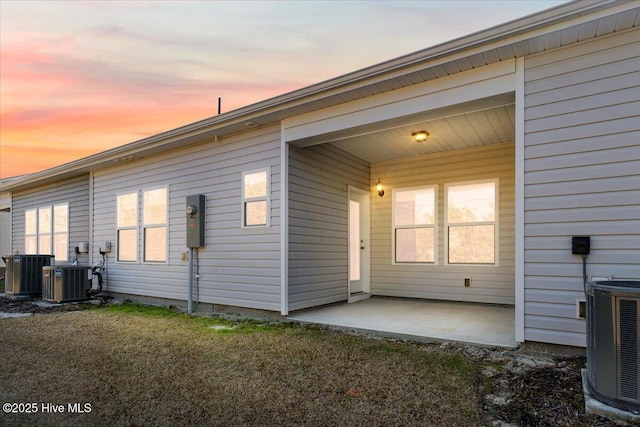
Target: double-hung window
[[127, 221], [61, 232], [154, 224], [31, 231], [255, 198], [151, 223], [45, 224], [471, 222], [414, 225], [47, 231]]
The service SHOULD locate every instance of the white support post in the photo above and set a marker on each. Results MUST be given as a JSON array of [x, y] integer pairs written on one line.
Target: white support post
[[519, 214], [284, 223]]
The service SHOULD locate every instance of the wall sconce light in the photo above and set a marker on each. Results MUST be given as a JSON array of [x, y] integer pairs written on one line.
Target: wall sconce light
[[379, 188], [420, 136]]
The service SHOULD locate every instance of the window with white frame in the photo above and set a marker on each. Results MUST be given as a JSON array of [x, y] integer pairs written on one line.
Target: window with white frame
[[154, 225], [414, 225], [44, 230], [255, 198], [151, 223], [31, 231], [471, 222], [127, 223], [47, 231], [61, 232]]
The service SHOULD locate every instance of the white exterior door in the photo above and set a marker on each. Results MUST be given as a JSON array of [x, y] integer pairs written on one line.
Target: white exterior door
[[359, 244]]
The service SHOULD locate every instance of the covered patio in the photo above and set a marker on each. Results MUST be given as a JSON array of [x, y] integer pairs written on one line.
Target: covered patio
[[420, 320], [424, 239]]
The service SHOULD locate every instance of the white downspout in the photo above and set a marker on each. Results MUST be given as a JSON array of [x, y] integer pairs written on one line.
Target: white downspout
[[519, 196]]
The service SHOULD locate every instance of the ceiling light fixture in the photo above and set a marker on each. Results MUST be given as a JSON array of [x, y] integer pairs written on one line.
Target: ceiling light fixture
[[420, 136]]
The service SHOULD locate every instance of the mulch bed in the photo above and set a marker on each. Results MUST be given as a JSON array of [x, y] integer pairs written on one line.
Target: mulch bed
[[546, 396]]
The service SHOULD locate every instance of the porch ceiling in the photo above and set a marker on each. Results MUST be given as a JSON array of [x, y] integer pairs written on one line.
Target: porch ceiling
[[455, 132]]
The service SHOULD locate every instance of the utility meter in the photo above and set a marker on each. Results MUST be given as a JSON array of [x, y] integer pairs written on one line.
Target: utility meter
[[195, 221]]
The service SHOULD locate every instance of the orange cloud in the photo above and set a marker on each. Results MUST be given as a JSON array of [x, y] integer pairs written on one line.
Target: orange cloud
[[18, 160]]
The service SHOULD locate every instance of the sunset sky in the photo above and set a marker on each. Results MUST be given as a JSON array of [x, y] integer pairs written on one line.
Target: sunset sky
[[79, 77]]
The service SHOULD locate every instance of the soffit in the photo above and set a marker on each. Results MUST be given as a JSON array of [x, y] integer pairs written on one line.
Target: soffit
[[470, 129]]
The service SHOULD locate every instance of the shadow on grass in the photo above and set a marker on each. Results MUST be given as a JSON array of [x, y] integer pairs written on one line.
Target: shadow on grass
[[212, 324]]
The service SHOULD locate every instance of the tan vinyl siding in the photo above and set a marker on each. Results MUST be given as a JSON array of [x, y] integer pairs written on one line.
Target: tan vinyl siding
[[490, 284], [318, 206], [582, 176], [73, 191], [238, 267]]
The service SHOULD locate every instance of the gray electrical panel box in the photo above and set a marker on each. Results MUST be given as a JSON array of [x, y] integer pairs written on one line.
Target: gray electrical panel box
[[195, 221]]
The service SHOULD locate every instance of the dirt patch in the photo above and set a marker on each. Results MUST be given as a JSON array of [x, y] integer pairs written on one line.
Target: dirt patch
[[37, 306], [531, 387], [544, 396]]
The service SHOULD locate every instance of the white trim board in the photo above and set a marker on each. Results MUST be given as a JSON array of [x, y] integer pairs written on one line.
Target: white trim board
[[519, 202], [284, 225], [484, 82]]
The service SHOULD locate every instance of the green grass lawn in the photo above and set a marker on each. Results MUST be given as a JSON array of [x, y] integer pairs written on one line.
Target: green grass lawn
[[151, 366]]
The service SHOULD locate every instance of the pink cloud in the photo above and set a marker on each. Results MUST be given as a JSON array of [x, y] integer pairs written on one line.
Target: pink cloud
[[53, 100]]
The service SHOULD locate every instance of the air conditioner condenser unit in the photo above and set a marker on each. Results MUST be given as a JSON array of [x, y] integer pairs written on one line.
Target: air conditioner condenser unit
[[64, 283], [24, 274], [613, 343]]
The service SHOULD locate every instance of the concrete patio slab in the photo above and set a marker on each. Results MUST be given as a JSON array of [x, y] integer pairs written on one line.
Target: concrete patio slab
[[420, 320], [594, 406]]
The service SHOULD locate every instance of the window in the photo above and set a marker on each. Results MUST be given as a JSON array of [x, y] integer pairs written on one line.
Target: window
[[44, 230], [414, 225], [152, 223], [31, 231], [127, 227], [61, 232], [471, 222], [255, 198], [47, 231]]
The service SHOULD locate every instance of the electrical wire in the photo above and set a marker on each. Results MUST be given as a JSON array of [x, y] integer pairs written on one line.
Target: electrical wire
[[584, 272], [106, 271]]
